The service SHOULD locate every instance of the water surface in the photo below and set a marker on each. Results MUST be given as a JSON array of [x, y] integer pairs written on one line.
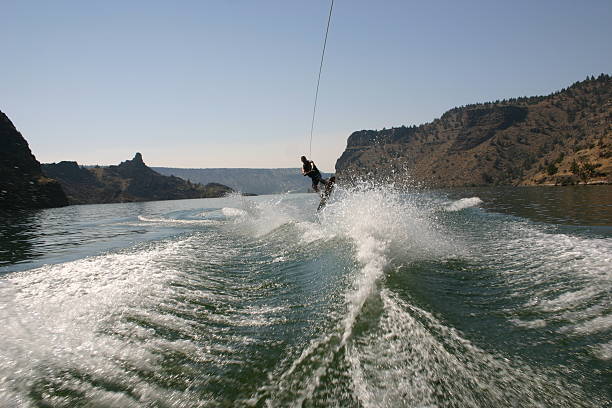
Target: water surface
[[457, 298]]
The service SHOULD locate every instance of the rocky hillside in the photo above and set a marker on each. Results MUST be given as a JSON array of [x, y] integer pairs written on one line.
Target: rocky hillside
[[130, 181], [22, 183], [562, 138]]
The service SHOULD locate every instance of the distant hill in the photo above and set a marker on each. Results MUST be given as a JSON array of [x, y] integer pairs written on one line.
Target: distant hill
[[130, 181], [22, 183], [257, 181], [562, 138]]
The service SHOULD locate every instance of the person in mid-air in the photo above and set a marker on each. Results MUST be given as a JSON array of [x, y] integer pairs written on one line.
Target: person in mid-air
[[310, 169], [328, 189]]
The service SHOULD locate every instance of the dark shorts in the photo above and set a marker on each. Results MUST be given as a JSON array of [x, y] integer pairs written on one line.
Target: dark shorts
[[316, 179]]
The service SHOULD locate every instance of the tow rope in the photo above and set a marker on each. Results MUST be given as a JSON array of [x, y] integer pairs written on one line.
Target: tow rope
[[314, 109]]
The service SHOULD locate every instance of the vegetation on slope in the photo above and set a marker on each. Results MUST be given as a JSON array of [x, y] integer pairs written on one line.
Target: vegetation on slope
[[562, 138]]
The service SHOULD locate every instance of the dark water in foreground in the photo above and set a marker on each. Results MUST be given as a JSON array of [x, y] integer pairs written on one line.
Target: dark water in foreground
[[459, 298]]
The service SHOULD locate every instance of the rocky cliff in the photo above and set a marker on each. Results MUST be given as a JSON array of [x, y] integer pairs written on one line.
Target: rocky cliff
[[562, 138], [132, 180], [22, 183]]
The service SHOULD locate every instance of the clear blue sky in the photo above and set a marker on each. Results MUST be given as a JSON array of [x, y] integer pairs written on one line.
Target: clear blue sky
[[230, 83]]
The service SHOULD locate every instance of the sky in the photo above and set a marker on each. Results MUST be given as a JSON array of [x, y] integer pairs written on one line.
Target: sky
[[231, 83]]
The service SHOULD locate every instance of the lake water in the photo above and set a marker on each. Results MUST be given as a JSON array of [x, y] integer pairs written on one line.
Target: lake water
[[454, 298]]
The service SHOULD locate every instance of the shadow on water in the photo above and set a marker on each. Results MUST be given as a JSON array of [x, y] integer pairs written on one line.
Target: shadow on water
[[17, 232]]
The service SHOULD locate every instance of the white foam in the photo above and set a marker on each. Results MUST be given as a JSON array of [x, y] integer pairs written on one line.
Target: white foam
[[233, 212], [463, 204], [569, 300], [380, 222], [411, 357], [383, 225], [596, 325], [565, 279], [106, 316], [603, 351], [55, 318], [312, 232], [260, 218], [85, 317], [159, 220], [530, 324]]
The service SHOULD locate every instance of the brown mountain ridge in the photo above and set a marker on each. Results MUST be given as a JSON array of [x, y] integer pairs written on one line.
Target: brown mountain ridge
[[131, 180], [562, 138]]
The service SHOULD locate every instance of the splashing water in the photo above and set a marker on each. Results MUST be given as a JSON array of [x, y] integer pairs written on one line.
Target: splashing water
[[406, 356], [385, 298]]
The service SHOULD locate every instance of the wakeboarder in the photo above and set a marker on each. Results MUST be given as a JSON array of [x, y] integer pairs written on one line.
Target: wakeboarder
[[310, 169]]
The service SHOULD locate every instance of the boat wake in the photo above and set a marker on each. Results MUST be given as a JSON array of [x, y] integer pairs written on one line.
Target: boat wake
[[385, 351], [384, 298]]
